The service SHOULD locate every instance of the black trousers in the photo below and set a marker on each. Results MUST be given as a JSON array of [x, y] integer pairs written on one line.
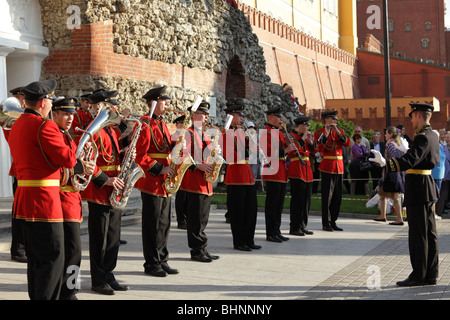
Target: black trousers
[[45, 252], [198, 206], [104, 241], [443, 197], [17, 236], [242, 210], [423, 242], [181, 206], [72, 258], [301, 193], [155, 229], [331, 192], [275, 195]]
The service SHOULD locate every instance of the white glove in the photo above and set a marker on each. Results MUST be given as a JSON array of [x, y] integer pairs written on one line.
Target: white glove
[[378, 158], [402, 148]]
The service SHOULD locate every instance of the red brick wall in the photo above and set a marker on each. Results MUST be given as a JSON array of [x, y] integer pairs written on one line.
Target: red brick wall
[[408, 79], [415, 12]]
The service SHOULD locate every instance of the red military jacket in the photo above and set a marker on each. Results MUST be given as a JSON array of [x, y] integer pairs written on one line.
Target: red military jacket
[[108, 165], [278, 173], [194, 180], [331, 149], [6, 134], [295, 169], [235, 151], [70, 197], [81, 120], [152, 154], [39, 151]]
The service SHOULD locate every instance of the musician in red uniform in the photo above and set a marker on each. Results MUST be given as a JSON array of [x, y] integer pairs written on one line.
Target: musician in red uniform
[[39, 151], [63, 111], [83, 115], [104, 221], [198, 190], [300, 177], [274, 176], [330, 141], [152, 153], [241, 191], [17, 238], [180, 197]]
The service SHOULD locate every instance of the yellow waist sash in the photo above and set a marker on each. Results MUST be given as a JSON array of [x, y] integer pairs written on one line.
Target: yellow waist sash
[[303, 158], [239, 162], [38, 183], [68, 189], [418, 171], [159, 155], [333, 157], [112, 167]]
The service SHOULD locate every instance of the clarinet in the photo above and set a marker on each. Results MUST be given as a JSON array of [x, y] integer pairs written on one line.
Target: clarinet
[[283, 127]]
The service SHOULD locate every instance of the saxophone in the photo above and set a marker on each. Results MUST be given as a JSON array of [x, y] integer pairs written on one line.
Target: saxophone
[[130, 171], [179, 163], [215, 160]]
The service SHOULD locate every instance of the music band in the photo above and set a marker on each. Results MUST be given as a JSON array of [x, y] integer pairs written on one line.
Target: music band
[[82, 155]]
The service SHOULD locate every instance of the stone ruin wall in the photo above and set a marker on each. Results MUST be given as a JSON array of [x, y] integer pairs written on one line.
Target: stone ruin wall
[[195, 34]]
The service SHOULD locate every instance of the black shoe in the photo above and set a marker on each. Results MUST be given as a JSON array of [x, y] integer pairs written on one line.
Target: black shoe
[[327, 228], [213, 257], [282, 238], [336, 228], [243, 248], [410, 283], [103, 289], [117, 286], [296, 233], [396, 223], [306, 231], [431, 282], [254, 246], [379, 220], [200, 257], [165, 266], [123, 241], [20, 258], [274, 239], [156, 271]]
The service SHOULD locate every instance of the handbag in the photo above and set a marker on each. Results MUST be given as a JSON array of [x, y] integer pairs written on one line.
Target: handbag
[[365, 165]]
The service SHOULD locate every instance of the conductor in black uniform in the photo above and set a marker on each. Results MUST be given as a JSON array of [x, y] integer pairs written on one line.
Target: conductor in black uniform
[[420, 194]]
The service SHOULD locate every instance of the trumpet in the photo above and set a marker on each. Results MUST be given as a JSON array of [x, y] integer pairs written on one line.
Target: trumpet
[[10, 110]]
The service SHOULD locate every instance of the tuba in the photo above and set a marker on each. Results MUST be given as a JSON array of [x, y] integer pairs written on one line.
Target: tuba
[[10, 110], [179, 162], [215, 160], [130, 171], [106, 117]]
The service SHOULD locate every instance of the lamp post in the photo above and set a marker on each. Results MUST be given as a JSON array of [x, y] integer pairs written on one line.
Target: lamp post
[[386, 63]]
